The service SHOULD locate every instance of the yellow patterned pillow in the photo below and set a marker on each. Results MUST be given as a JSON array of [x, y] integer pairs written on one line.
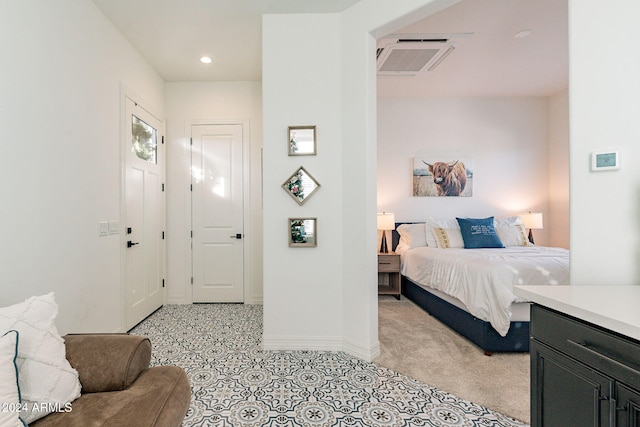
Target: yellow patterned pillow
[[448, 238]]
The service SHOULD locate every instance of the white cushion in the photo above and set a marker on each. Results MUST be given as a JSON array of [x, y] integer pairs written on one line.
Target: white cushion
[[9, 390], [448, 237], [513, 235], [46, 378], [412, 235], [511, 231], [446, 223], [507, 221]]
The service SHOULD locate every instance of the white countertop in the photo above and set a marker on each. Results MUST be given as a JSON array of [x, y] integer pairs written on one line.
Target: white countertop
[[616, 308]]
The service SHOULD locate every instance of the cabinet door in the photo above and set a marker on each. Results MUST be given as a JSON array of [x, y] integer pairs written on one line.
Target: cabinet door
[[627, 407], [564, 392]]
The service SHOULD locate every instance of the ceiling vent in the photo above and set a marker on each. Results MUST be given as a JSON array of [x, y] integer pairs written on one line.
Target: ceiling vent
[[410, 55]]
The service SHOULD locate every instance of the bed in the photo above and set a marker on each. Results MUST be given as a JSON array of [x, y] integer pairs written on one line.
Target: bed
[[470, 290]]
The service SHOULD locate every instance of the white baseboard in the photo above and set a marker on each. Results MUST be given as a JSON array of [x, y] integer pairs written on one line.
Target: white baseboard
[[320, 344], [182, 301], [177, 301], [298, 343], [367, 354]]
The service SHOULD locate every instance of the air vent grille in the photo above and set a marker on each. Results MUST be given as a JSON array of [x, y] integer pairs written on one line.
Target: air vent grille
[[423, 40], [413, 54], [407, 60]]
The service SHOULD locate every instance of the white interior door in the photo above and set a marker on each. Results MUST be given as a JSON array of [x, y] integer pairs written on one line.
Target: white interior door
[[217, 213], [144, 214]]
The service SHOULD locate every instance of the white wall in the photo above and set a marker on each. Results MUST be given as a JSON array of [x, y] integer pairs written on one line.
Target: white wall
[[63, 64], [557, 223], [320, 69], [604, 99], [302, 285], [507, 139], [219, 102]]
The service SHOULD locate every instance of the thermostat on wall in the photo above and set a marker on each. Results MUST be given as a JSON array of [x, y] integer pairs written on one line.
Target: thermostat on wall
[[605, 160]]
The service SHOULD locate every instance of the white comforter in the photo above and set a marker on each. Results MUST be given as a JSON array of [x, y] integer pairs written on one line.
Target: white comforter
[[483, 279]]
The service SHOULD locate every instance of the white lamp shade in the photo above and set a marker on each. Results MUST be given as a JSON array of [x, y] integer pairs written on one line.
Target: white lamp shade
[[532, 220], [386, 221]]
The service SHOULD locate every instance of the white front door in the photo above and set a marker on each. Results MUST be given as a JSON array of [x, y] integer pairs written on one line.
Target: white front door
[[217, 213], [144, 213]]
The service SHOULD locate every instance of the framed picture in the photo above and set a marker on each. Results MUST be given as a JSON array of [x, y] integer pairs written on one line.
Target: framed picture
[[302, 141], [438, 176], [301, 185], [605, 161], [303, 232]]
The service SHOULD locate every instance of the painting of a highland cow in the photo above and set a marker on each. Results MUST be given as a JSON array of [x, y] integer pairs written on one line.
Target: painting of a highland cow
[[440, 177]]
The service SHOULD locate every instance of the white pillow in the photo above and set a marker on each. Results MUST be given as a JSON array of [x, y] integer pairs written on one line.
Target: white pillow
[[448, 237], [401, 248], [45, 376], [9, 389], [507, 221], [413, 235], [447, 223], [513, 235]]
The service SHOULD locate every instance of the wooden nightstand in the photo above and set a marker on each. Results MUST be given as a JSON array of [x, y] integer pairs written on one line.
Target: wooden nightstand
[[389, 274]]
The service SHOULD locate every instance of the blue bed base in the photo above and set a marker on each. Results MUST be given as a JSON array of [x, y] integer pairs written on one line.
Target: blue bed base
[[479, 332]]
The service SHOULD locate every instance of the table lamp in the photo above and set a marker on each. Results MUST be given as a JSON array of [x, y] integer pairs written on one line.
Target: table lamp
[[386, 221], [532, 221]]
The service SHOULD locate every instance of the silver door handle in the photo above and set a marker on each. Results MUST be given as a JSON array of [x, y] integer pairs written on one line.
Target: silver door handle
[[236, 236]]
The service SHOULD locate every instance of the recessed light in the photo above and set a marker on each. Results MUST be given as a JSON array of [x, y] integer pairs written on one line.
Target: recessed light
[[522, 34], [205, 60]]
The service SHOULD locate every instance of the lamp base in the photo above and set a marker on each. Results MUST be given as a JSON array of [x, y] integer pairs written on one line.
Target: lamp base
[[531, 237], [383, 245]]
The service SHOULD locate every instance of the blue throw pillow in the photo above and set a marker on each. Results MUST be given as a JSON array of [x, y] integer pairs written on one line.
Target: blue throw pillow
[[479, 233]]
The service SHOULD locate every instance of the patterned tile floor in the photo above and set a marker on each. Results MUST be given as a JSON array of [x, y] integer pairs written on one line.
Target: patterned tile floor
[[236, 383]]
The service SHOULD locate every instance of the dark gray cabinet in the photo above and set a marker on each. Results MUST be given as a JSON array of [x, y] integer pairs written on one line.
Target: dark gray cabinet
[[582, 375]]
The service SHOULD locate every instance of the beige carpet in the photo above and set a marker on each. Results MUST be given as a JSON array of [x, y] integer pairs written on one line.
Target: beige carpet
[[417, 345]]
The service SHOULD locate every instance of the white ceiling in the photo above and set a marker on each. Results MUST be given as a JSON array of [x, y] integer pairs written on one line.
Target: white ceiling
[[172, 35], [492, 62]]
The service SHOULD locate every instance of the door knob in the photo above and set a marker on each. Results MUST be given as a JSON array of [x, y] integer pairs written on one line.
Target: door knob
[[237, 236], [130, 243]]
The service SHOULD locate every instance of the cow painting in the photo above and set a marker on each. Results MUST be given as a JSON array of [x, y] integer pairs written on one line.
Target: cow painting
[[450, 179]]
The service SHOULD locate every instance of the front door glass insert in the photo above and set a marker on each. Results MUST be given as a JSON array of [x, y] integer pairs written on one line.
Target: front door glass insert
[[144, 140]]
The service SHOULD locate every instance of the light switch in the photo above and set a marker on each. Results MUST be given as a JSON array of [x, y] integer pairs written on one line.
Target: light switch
[[114, 227], [103, 228]]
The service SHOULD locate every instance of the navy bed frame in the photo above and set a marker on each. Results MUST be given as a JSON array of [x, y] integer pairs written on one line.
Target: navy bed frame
[[479, 332]]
